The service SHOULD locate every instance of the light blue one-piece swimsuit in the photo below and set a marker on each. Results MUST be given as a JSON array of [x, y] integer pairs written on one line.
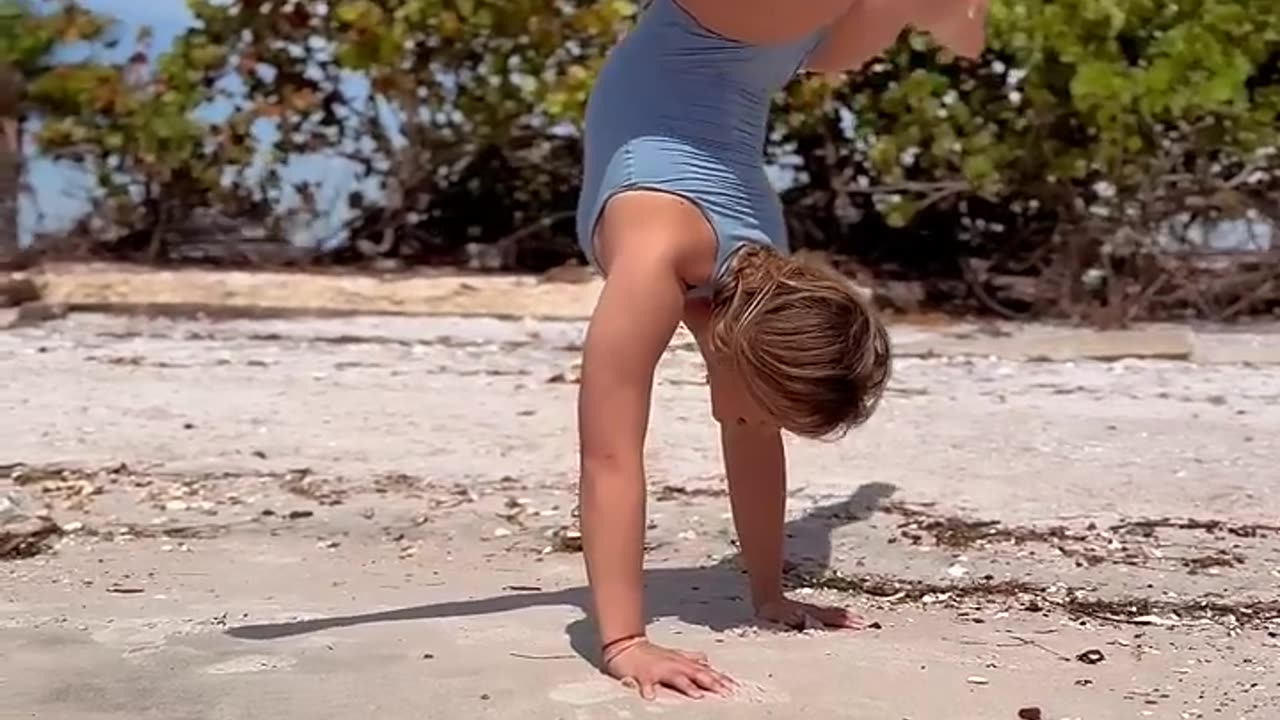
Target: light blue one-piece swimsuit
[[681, 109]]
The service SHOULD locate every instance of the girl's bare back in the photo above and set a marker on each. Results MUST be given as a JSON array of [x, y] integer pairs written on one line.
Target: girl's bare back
[[765, 22], [858, 30]]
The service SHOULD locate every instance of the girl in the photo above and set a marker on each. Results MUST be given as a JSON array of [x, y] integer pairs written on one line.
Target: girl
[[677, 212]]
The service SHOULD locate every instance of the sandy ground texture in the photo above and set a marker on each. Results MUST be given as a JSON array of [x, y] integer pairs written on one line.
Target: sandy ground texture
[[358, 518]]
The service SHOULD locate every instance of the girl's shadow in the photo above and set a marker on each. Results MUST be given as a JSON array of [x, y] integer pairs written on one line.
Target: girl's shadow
[[711, 596]]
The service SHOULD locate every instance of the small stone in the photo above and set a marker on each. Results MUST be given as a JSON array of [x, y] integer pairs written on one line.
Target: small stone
[[1092, 656], [977, 680], [570, 376], [501, 533], [1030, 713], [25, 530], [568, 539]]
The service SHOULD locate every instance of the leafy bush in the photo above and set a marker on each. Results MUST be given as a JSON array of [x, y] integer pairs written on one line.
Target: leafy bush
[[28, 39], [1066, 172], [1066, 151]]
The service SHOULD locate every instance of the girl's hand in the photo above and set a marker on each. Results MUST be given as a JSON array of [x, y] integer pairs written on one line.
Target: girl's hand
[[800, 616], [644, 666]]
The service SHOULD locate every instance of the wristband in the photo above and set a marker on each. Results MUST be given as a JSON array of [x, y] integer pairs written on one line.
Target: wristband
[[616, 647]]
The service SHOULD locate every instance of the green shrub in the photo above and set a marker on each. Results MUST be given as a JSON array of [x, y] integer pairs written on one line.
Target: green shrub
[[1037, 179]]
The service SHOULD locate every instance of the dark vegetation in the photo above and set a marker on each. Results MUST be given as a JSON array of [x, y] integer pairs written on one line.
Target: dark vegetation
[[1072, 172]]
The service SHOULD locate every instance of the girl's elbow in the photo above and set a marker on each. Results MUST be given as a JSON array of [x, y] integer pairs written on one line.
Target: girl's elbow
[[599, 466], [609, 473]]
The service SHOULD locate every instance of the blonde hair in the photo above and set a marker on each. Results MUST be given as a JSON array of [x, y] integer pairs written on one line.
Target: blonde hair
[[810, 351]]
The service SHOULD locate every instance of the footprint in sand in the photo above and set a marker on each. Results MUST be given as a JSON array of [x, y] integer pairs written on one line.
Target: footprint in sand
[[250, 664]]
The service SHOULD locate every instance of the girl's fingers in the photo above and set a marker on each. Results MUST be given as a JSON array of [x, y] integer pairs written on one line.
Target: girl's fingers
[[631, 684], [686, 686], [838, 617], [698, 657], [648, 691], [833, 617], [856, 622], [713, 681]]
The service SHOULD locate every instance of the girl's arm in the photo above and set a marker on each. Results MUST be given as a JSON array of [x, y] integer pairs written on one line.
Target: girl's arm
[[633, 322], [756, 465], [653, 244]]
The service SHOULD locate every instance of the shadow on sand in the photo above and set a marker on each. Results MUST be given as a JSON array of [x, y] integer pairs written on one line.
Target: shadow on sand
[[709, 596]]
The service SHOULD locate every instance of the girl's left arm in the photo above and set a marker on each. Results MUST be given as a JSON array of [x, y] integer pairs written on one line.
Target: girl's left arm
[[755, 463]]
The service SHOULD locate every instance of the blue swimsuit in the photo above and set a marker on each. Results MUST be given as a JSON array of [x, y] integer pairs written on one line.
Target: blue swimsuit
[[680, 109]]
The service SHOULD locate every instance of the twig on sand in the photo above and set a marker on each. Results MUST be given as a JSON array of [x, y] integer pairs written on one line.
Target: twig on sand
[[1041, 646], [536, 656]]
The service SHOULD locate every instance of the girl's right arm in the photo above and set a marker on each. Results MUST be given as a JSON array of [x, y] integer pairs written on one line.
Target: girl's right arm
[[633, 322]]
